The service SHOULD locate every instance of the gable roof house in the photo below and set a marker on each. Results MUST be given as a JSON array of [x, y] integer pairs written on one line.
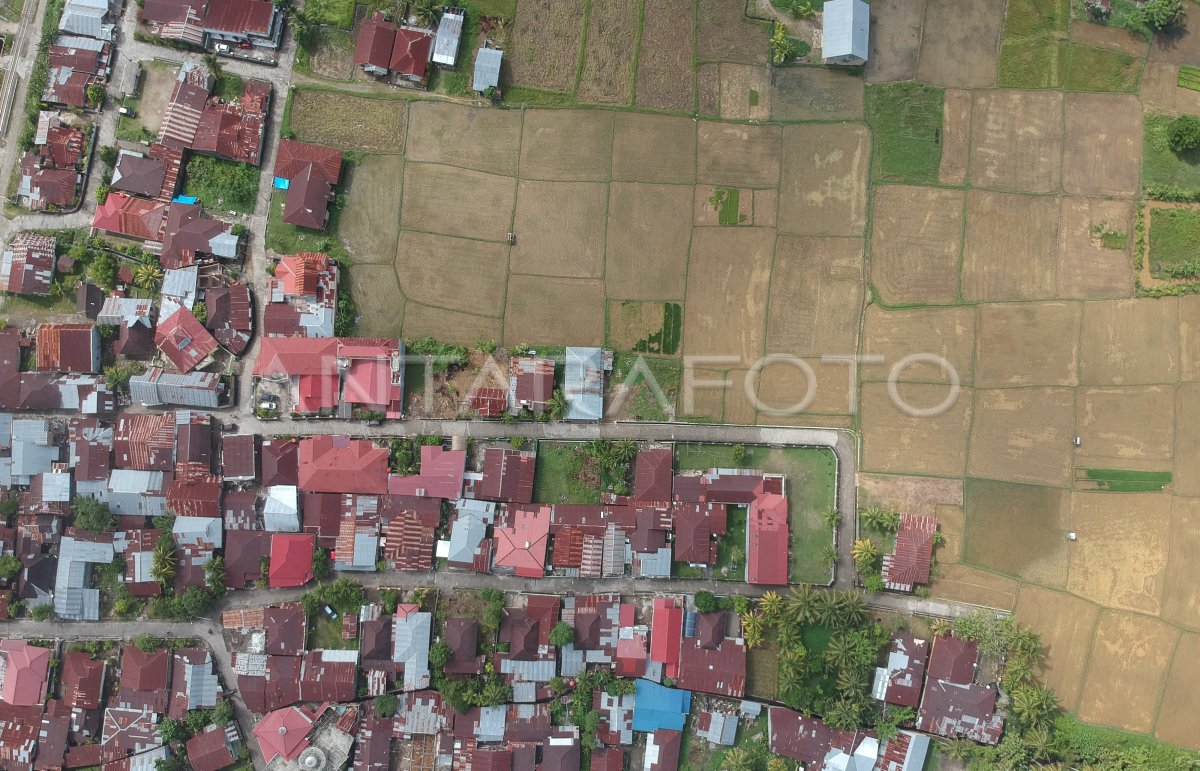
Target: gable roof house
[[521, 538], [291, 559], [711, 662], [157, 388], [767, 541], [462, 636], [339, 464], [845, 32], [73, 598], [23, 672], [213, 748], [487, 69], [230, 316], [449, 35], [205, 24], [900, 680], [184, 341], [302, 297], [530, 384], [666, 634], [86, 17], [411, 629], [910, 561], [953, 704], [82, 689], [68, 348], [126, 215], [27, 264], [196, 120], [145, 680], [583, 383], [308, 174], [507, 476], [401, 54]]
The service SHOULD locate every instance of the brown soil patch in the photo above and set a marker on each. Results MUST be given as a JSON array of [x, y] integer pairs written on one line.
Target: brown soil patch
[[726, 307], [332, 55], [630, 321], [348, 121], [449, 325], [1011, 250], [1022, 344], [371, 219], [550, 310], [1103, 152], [1017, 140], [895, 40], [1176, 719], [1189, 337], [723, 34], [458, 202], [956, 137], [379, 301], [959, 43], [824, 186], [1186, 479], [737, 155], [745, 92], [1127, 428], [1086, 268], [1022, 435], [1181, 600], [654, 148], [766, 207], [648, 233], [545, 43], [607, 75], [813, 93], [739, 410], [916, 238], [457, 273], [560, 229], [1126, 671], [664, 79], [708, 402], [1065, 624], [1160, 90], [567, 145], [474, 138], [158, 82], [894, 335], [816, 296], [900, 443], [708, 90], [952, 525], [1180, 44], [1130, 342], [921, 496], [978, 587], [1103, 36], [782, 386], [1120, 553], [806, 419]]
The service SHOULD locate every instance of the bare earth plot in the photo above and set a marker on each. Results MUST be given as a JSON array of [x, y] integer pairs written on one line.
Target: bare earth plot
[[1103, 152], [648, 233], [1175, 723], [1127, 670], [1112, 38], [560, 229], [371, 220], [782, 386], [1130, 342], [573, 311], [959, 43], [1011, 250], [545, 44], [1120, 555], [1187, 440], [1160, 90], [738, 155], [900, 443], [813, 93], [654, 148], [979, 587], [816, 296], [1087, 267], [895, 40], [664, 78], [607, 75], [1023, 435], [1189, 338], [824, 186], [472, 138], [1023, 344], [1066, 625], [567, 145], [956, 137], [480, 267], [1018, 140], [1181, 605], [1126, 428], [945, 332], [468, 329], [726, 301], [916, 238], [723, 34], [458, 202], [745, 92]]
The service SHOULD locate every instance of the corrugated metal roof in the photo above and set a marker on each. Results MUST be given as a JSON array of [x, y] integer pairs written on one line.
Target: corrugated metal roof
[[487, 69], [846, 29], [583, 384], [449, 33]]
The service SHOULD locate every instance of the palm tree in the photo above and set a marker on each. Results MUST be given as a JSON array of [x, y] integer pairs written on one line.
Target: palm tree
[[495, 692], [752, 636], [831, 518], [829, 555], [1039, 742], [843, 714], [840, 651], [941, 627], [787, 636], [1034, 705], [792, 659], [162, 565], [851, 680], [865, 552], [752, 621], [625, 450], [1025, 645], [778, 764], [771, 605], [879, 520], [737, 759], [147, 275], [958, 749], [850, 609], [801, 603], [824, 608], [427, 11], [60, 288], [1017, 672], [558, 405]]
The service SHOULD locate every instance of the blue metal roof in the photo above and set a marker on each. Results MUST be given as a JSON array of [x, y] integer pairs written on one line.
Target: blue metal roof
[[657, 706]]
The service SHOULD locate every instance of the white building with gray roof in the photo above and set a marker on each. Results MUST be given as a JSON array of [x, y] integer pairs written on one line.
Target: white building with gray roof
[[410, 647]]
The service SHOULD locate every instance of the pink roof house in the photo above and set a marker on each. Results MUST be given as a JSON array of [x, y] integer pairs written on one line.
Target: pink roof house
[[24, 673]]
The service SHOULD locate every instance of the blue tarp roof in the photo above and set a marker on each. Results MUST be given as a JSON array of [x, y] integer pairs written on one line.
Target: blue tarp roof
[[185, 199], [657, 706]]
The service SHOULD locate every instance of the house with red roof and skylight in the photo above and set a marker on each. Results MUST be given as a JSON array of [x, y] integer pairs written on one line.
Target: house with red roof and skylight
[[521, 538], [23, 670], [284, 733], [339, 464], [666, 632], [291, 559], [767, 541], [184, 341]]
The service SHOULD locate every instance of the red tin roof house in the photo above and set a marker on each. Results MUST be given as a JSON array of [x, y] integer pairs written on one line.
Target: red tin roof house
[[767, 541], [910, 562], [399, 53]]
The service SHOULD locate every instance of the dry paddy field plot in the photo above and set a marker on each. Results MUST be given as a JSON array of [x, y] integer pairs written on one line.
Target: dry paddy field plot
[[1018, 530], [1189, 338], [1160, 90], [1088, 265], [648, 233], [560, 229], [959, 42], [1120, 555], [456, 273], [894, 441], [978, 587], [745, 92], [1023, 344], [1017, 140], [1126, 671], [1011, 250], [1126, 428], [573, 310], [1103, 152], [813, 93], [1023, 435], [895, 40], [1113, 38], [726, 299], [371, 220], [567, 145], [1181, 604], [956, 137], [379, 301], [708, 89], [1066, 625], [607, 75], [449, 325], [545, 43], [921, 496], [1130, 342], [916, 237], [816, 296], [1177, 712], [1187, 439], [654, 148], [723, 34], [473, 138], [948, 333], [737, 155], [782, 387], [824, 188], [349, 122], [458, 202], [664, 77]]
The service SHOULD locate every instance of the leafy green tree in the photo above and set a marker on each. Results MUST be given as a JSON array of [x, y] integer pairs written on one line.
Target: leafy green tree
[[492, 616], [195, 602], [9, 566], [439, 654], [103, 270], [91, 514], [148, 643], [1184, 133], [214, 575], [200, 311], [322, 570], [95, 95], [389, 598], [562, 634], [223, 713], [1160, 14], [42, 612], [198, 719], [705, 601], [1034, 706], [737, 759], [173, 731], [873, 583], [385, 705]]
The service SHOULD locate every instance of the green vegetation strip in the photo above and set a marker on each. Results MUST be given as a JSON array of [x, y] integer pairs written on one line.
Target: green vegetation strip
[[222, 184], [906, 125], [1174, 234], [1097, 69], [1167, 175], [1128, 481], [1034, 50], [1189, 77]]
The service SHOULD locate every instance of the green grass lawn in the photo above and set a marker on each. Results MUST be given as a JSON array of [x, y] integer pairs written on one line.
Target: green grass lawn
[[811, 488], [752, 738], [556, 478], [642, 403], [731, 545], [1174, 236], [762, 671], [1097, 69], [10, 10], [905, 120], [339, 13], [1162, 166], [1034, 51], [326, 634], [230, 87], [222, 184], [684, 570]]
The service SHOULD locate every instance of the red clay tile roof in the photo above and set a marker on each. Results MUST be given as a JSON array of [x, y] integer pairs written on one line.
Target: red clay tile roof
[[294, 356], [489, 402], [767, 541], [184, 340], [666, 631], [284, 733], [129, 216], [292, 157], [291, 559], [911, 560], [26, 667], [652, 475], [300, 273], [67, 348], [339, 464], [375, 40], [209, 750], [521, 543]]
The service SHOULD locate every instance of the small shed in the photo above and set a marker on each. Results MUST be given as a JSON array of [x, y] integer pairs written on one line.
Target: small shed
[[449, 33], [487, 69], [845, 32]]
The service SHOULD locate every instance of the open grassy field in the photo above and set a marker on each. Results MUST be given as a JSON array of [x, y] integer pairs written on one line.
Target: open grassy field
[[348, 121], [1162, 166], [1098, 69], [1034, 51], [1173, 238], [906, 124], [222, 184], [1018, 530], [557, 477]]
